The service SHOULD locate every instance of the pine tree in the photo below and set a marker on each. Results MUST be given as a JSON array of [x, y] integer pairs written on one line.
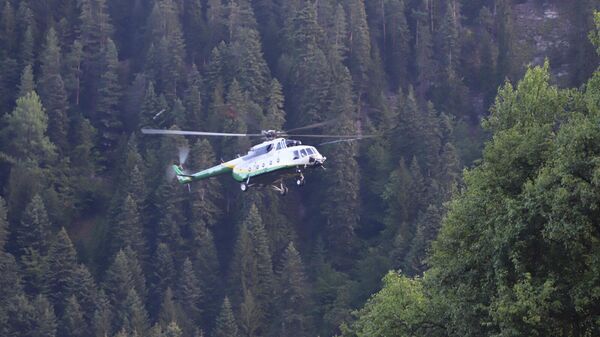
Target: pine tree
[[397, 42], [293, 296], [226, 325], [208, 193], [274, 113], [27, 83], [206, 265], [85, 290], [136, 316], [251, 272], [127, 230], [25, 133], [170, 310], [341, 212], [162, 275], [72, 322], [360, 43], [117, 283], [169, 52], [34, 231], [52, 91], [74, 71], [96, 29], [423, 52], [137, 274], [109, 91], [43, 317], [4, 233], [102, 316], [189, 291], [27, 45], [62, 264]]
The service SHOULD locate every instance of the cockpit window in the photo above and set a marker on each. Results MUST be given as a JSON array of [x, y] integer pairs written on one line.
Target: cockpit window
[[310, 151], [303, 152], [279, 146]]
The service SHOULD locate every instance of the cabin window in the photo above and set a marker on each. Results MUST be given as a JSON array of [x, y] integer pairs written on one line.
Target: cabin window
[[303, 152], [296, 155]]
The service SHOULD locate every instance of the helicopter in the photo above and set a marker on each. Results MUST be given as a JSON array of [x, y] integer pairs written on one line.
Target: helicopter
[[269, 163]]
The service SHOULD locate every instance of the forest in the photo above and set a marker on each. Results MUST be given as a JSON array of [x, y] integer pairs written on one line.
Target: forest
[[474, 212]]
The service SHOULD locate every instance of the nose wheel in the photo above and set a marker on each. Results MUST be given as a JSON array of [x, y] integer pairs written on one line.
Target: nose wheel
[[243, 187]]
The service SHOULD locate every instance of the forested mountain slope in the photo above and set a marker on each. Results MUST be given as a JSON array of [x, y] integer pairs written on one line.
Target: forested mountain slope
[[96, 241]]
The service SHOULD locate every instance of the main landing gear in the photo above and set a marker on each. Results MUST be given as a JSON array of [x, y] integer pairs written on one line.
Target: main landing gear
[[300, 179], [281, 188]]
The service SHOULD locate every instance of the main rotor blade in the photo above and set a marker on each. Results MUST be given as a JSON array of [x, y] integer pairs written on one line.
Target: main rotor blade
[[197, 133], [334, 136], [312, 126], [341, 141]]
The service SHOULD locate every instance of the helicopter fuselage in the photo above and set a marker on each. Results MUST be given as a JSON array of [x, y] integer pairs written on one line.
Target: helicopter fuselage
[[276, 157]]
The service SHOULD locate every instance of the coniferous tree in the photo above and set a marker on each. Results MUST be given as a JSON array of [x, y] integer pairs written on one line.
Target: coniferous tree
[[109, 91], [60, 273], [26, 128], [73, 71], [293, 295], [27, 84], [85, 291], [162, 275], [226, 325], [251, 269], [72, 322], [35, 228], [52, 91], [103, 316], [189, 291], [45, 323], [4, 233], [136, 316], [127, 230], [117, 283]]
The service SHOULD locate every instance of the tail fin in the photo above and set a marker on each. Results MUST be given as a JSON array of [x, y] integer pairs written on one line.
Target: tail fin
[[181, 176]]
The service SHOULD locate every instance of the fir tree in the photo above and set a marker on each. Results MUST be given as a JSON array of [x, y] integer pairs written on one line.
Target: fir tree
[[189, 291], [52, 91], [127, 230], [135, 314], [73, 71], [72, 322], [3, 225], [226, 325], [85, 290], [26, 128], [43, 318], [102, 316], [110, 125], [27, 83], [117, 283], [34, 231], [293, 296], [62, 264], [162, 274]]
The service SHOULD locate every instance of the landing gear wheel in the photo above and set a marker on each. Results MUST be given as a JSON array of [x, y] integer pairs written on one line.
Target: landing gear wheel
[[300, 182], [244, 187]]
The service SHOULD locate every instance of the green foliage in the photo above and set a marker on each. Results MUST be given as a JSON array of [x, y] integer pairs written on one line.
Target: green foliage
[[517, 250], [397, 310], [225, 325], [24, 137]]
